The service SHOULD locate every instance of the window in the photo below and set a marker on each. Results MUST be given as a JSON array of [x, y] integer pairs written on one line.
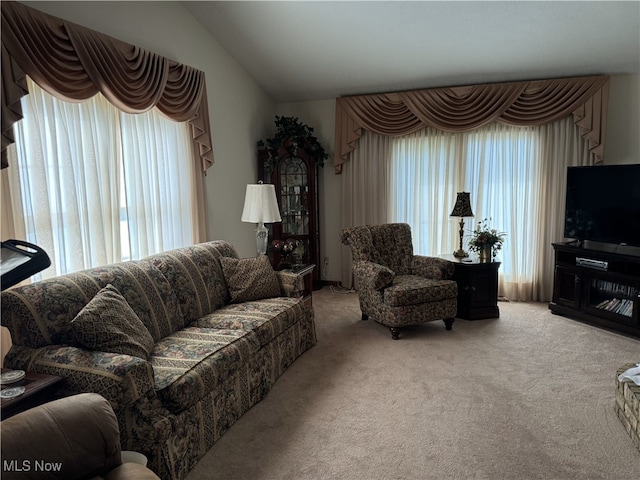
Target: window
[[515, 176], [93, 185]]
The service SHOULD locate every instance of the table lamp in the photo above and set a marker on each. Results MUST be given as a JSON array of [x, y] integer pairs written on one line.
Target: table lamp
[[462, 209], [261, 206]]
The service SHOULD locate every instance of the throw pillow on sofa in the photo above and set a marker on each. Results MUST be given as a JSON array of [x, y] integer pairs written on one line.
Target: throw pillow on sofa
[[109, 324], [250, 278]]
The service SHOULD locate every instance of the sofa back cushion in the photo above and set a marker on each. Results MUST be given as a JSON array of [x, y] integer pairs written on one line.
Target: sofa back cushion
[[40, 314], [196, 276]]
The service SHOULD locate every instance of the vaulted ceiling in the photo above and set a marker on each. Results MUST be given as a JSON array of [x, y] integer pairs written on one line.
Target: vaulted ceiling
[[304, 50]]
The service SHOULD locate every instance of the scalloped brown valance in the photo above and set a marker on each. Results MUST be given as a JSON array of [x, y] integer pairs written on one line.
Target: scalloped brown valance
[[461, 109], [74, 63]]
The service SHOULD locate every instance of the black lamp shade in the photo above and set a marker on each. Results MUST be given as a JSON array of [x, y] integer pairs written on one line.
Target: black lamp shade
[[462, 208]]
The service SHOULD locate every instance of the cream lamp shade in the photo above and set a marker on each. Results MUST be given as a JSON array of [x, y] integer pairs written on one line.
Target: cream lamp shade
[[261, 206]]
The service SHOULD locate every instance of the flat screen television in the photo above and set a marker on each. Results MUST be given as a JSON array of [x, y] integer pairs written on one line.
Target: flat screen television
[[603, 204]]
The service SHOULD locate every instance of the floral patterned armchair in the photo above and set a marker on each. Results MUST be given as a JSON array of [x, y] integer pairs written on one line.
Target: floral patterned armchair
[[397, 288]]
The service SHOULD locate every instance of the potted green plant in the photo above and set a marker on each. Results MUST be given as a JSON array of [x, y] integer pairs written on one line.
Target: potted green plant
[[290, 135], [486, 241]]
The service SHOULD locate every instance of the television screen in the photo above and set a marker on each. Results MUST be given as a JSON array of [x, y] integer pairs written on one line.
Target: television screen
[[603, 204]]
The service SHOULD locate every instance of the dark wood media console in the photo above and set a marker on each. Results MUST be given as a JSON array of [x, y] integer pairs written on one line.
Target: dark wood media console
[[598, 285]]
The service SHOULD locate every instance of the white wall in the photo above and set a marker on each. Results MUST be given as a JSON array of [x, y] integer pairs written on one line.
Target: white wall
[[623, 121], [240, 111]]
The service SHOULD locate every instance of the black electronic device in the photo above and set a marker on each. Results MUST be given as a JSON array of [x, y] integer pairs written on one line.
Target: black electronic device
[[603, 204], [20, 260], [591, 263]]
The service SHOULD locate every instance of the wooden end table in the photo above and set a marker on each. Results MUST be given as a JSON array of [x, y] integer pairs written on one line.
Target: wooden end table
[[38, 389], [306, 272], [477, 287]]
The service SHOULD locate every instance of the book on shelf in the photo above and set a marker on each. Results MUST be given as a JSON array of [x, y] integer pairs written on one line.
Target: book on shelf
[[614, 288], [622, 306]]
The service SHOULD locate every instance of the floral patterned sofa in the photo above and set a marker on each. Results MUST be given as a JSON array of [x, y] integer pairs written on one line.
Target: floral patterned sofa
[[181, 343]]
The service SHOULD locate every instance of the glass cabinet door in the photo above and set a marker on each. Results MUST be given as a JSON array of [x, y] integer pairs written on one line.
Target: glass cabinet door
[[294, 194], [294, 177]]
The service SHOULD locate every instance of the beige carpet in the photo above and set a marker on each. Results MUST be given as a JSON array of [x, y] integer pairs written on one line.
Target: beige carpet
[[526, 396]]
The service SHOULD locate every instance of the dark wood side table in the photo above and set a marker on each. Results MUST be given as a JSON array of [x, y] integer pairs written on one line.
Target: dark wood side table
[[477, 287], [306, 272], [38, 389]]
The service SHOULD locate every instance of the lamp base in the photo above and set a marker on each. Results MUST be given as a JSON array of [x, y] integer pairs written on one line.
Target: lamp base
[[460, 253], [262, 235]]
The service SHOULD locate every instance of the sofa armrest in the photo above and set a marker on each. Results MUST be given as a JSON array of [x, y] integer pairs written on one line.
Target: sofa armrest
[[121, 379], [77, 434], [291, 284], [372, 275], [432, 267]]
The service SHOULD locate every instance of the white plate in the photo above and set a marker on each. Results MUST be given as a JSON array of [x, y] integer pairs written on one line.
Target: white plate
[[11, 392], [11, 376]]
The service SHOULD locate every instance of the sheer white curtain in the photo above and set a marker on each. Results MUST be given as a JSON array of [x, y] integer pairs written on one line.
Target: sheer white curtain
[[425, 177], [92, 185], [516, 177], [159, 198], [365, 189]]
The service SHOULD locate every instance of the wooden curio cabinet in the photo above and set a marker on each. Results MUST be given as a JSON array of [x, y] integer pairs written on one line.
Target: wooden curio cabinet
[[294, 174]]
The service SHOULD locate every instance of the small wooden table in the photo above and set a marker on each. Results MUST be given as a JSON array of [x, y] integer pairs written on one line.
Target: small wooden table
[[38, 389], [477, 287]]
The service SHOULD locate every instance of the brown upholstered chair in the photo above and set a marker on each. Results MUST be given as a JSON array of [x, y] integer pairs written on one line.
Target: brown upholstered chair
[[395, 287], [71, 438]]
